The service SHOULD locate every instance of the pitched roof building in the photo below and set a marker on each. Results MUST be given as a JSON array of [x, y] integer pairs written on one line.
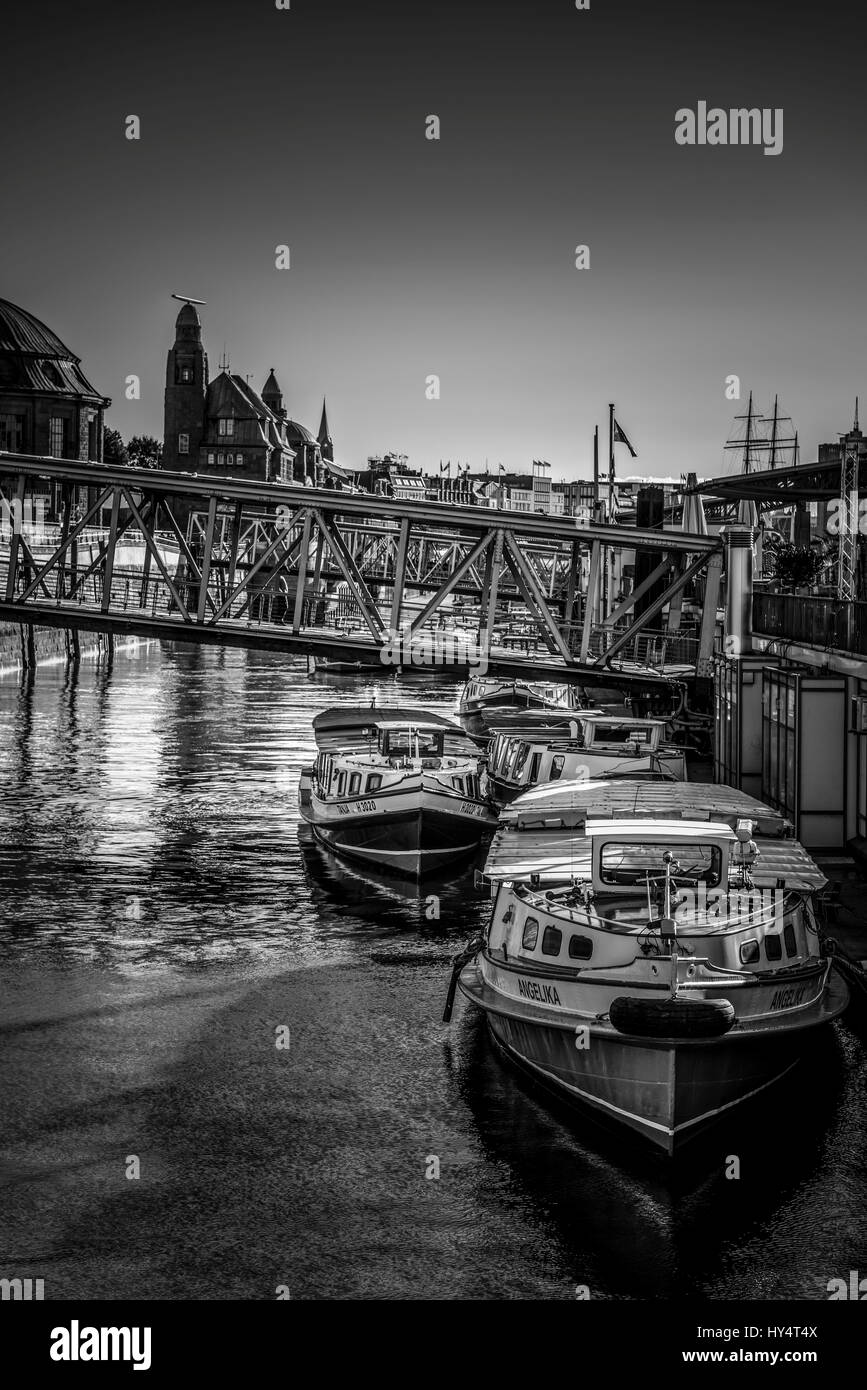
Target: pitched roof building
[[224, 426]]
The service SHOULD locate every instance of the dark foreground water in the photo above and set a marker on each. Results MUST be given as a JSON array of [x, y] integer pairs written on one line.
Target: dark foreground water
[[161, 919]]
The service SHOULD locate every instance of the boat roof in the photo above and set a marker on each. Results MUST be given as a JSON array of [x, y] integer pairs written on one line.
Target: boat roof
[[544, 831], [660, 830], [353, 727]]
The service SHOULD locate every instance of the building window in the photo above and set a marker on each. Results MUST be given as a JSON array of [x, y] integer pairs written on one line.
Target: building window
[[56, 434], [211, 460], [12, 433], [221, 459], [183, 443], [185, 375], [239, 460], [226, 428]]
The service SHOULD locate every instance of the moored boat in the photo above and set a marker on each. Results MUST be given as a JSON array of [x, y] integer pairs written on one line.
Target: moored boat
[[397, 789], [485, 698], [595, 745], [653, 951]]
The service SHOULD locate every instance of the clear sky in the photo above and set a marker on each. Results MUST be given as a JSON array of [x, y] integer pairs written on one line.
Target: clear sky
[[412, 257]]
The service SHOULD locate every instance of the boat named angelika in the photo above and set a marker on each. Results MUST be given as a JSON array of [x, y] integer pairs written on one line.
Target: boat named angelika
[[653, 952], [397, 788], [595, 745]]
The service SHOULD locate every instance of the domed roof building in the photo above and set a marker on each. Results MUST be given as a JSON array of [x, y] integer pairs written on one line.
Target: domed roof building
[[47, 405]]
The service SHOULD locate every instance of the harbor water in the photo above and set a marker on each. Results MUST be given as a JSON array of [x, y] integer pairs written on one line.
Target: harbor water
[[223, 1071]]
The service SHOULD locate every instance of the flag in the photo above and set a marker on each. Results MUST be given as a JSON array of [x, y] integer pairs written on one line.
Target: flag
[[445, 467], [502, 468], [620, 438]]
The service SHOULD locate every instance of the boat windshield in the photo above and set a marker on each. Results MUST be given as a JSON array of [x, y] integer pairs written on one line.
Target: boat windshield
[[618, 734], [621, 864], [401, 743]]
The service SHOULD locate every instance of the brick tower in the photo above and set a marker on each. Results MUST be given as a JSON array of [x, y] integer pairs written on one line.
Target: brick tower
[[186, 389]]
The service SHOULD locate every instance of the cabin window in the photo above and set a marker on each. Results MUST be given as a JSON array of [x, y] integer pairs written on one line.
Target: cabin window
[[534, 768], [374, 782], [523, 751], [531, 934], [789, 938], [552, 940], [558, 762], [458, 784], [749, 952], [341, 784], [773, 947], [580, 948], [403, 743], [355, 784], [626, 863]]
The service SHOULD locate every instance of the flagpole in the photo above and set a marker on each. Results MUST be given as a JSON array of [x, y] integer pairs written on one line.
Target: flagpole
[[595, 469], [610, 461], [609, 576]]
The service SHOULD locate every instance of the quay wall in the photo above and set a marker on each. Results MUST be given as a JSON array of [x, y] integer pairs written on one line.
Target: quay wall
[[49, 646]]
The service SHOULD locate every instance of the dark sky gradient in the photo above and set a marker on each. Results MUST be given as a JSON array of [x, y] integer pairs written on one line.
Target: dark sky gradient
[[411, 257]]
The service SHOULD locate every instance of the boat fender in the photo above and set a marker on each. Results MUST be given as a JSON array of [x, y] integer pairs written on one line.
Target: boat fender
[[671, 1018]]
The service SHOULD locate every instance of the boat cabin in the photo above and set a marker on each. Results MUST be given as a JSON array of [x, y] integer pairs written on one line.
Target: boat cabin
[[595, 744], [399, 742], [612, 908], [549, 694]]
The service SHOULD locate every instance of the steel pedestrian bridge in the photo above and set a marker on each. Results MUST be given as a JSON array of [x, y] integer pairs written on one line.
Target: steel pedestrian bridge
[[342, 575]]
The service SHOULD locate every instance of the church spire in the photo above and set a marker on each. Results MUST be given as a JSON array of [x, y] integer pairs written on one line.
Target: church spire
[[272, 395], [323, 438]]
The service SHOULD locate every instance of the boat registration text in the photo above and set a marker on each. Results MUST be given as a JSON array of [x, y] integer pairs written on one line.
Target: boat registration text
[[544, 994]]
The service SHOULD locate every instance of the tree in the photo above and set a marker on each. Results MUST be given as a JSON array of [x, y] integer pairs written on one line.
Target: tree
[[796, 567], [113, 448], [145, 451]]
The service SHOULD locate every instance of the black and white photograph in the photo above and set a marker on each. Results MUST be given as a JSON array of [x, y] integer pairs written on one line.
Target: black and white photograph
[[433, 670]]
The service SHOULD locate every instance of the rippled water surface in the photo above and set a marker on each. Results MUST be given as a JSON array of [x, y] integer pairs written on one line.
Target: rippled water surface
[[162, 917]]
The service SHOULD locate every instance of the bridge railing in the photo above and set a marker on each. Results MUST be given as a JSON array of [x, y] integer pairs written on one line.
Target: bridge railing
[[827, 623]]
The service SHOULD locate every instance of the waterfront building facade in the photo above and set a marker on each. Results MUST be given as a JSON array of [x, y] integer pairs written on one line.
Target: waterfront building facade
[[47, 404], [227, 428]]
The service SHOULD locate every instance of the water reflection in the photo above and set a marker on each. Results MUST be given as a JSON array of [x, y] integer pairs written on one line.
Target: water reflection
[[153, 866]]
